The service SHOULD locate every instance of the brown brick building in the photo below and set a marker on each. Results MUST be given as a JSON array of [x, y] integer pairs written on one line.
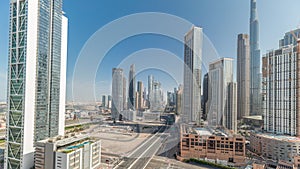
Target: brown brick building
[[206, 143]]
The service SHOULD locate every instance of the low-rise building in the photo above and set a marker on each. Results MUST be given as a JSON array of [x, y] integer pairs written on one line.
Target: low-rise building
[[212, 145], [81, 151], [149, 116], [129, 115], [275, 147]]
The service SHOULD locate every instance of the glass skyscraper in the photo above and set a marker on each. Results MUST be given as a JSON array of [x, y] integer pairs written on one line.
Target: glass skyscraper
[[192, 75], [36, 75], [255, 59]]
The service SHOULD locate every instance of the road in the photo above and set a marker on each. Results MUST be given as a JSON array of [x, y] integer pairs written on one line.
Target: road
[[141, 156]]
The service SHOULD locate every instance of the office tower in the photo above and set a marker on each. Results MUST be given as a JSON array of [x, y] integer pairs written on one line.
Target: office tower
[[124, 94], [103, 101], [131, 88], [170, 99], [255, 76], [36, 79], [117, 93], [145, 97], [140, 88], [179, 100], [109, 101], [281, 99], [204, 96], [243, 76], [231, 107], [192, 75], [220, 75], [79, 151], [156, 97]]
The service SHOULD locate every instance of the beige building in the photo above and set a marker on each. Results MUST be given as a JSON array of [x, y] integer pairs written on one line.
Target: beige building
[[243, 76], [275, 147], [80, 151], [212, 145]]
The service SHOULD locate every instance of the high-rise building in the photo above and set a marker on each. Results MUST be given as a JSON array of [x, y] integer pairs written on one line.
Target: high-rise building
[[36, 78], [281, 102], [179, 100], [281, 99], [255, 59], [156, 102], [103, 101], [243, 76], [124, 93], [205, 96], [289, 38], [140, 88], [231, 107], [150, 86], [192, 75], [131, 88], [220, 75], [109, 101], [117, 93]]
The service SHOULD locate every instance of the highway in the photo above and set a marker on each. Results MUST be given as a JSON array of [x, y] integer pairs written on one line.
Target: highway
[[141, 156]]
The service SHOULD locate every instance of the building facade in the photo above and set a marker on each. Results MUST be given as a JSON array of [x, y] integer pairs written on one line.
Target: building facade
[[205, 96], [36, 77], [220, 75], [231, 108], [156, 102], [192, 75], [255, 60], [117, 93], [68, 152], [280, 93], [131, 88], [243, 76], [201, 143], [140, 88]]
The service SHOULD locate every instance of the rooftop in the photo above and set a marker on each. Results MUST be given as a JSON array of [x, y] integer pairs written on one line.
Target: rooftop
[[280, 137]]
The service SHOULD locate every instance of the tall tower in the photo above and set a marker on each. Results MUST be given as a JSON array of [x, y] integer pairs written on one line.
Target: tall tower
[[131, 90], [117, 93], [243, 76], [281, 97], [150, 86], [192, 75], [255, 76], [124, 93], [140, 88], [36, 77], [220, 75]]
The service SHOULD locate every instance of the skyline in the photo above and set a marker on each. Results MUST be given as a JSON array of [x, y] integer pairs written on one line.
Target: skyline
[[212, 26]]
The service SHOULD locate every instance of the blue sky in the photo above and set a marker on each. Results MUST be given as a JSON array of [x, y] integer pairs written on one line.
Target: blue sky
[[221, 21]]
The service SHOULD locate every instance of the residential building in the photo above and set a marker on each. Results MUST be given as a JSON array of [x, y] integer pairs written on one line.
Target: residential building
[[255, 60], [36, 78], [192, 75], [80, 151], [243, 76], [220, 75], [117, 93], [212, 145]]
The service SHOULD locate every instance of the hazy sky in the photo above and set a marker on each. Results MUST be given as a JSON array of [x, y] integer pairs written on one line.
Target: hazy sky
[[221, 21]]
